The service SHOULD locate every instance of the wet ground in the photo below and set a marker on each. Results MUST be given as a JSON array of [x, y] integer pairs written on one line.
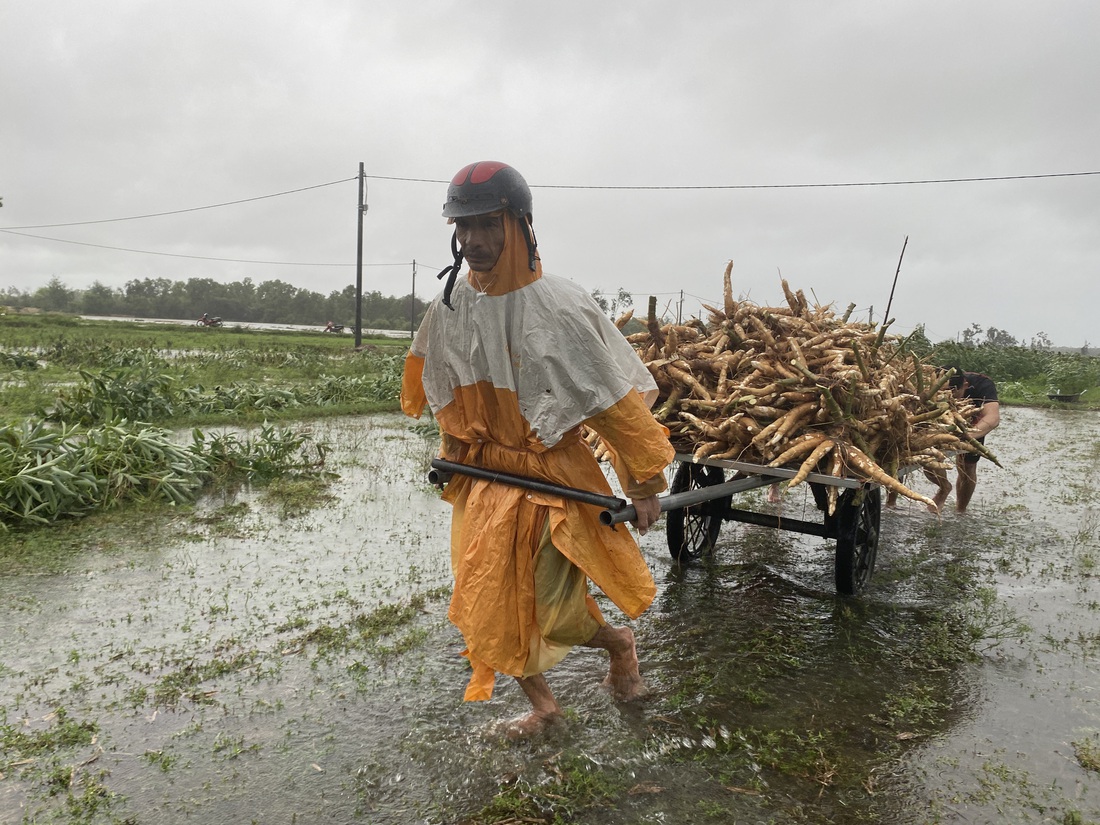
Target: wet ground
[[241, 665]]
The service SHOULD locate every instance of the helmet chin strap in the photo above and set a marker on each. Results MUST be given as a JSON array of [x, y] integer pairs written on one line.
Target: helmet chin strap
[[532, 244], [452, 271]]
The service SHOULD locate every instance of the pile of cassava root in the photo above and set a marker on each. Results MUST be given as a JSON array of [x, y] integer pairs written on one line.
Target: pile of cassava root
[[796, 386]]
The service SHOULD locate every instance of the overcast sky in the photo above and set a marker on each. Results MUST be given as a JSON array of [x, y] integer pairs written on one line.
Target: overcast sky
[[120, 109]]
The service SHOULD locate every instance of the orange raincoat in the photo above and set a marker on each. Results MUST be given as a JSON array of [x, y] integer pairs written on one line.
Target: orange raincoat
[[511, 374]]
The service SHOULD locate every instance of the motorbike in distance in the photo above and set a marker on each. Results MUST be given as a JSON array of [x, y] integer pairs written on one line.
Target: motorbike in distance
[[207, 321], [331, 327]]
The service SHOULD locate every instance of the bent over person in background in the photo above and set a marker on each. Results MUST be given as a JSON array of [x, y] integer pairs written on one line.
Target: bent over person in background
[[512, 363], [982, 392]]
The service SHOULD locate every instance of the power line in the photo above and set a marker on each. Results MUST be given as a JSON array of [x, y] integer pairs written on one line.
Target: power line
[[181, 211], [12, 229], [192, 257], [684, 187], [914, 182]]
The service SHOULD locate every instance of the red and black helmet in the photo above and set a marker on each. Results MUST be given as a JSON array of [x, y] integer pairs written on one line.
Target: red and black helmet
[[487, 186], [478, 189]]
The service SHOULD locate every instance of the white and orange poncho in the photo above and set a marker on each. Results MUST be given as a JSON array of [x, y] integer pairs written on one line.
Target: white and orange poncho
[[511, 374]]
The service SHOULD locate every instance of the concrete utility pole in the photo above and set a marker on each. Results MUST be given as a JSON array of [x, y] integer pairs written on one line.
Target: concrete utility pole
[[412, 304], [359, 260]]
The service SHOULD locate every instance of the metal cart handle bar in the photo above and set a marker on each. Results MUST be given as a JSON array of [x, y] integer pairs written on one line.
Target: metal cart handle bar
[[616, 510], [677, 501], [442, 471]]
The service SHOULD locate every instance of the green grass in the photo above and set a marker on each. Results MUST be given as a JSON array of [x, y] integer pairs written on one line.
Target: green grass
[[54, 356], [45, 330], [569, 783], [386, 631], [42, 754], [1087, 752], [1032, 392], [118, 532], [88, 372], [22, 744], [191, 681]]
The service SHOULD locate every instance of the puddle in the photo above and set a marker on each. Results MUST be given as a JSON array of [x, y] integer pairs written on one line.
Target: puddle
[[235, 671]]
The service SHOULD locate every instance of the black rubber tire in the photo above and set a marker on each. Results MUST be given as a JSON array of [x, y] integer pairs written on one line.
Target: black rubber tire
[[859, 516], [692, 531]]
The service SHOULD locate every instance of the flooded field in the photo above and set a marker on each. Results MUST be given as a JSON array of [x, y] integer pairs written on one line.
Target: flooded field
[[242, 663]]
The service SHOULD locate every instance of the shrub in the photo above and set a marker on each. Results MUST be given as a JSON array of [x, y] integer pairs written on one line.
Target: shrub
[[999, 363], [1072, 374]]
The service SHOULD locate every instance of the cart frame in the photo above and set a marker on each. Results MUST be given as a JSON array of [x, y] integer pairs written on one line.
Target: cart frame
[[855, 523]]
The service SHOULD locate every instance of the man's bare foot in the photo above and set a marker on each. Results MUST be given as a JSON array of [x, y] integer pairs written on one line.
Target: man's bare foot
[[545, 709], [940, 497], [529, 724], [624, 679]]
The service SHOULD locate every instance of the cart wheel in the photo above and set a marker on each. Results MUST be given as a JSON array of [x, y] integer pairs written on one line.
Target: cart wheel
[[692, 531], [858, 513]]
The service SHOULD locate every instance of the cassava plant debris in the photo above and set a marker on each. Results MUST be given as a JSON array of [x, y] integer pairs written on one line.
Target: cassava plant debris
[[797, 386]]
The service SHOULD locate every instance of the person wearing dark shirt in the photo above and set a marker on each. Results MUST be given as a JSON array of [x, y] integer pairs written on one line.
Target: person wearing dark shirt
[[982, 392]]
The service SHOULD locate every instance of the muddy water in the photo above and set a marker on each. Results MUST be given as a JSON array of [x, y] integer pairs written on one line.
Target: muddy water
[[961, 687]]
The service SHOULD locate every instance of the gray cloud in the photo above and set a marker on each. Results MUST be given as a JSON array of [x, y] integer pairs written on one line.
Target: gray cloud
[[134, 108]]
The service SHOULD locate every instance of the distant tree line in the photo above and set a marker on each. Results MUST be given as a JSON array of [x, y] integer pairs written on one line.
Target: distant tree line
[[272, 302]]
